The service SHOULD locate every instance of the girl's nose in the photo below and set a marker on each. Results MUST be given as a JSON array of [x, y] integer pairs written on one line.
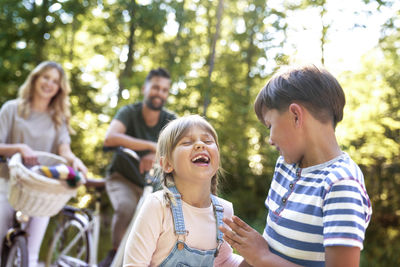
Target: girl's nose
[[199, 145]]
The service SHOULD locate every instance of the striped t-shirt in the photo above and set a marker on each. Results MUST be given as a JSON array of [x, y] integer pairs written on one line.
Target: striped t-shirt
[[315, 207]]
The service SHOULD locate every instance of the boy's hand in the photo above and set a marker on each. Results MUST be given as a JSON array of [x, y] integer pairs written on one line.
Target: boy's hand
[[247, 241]]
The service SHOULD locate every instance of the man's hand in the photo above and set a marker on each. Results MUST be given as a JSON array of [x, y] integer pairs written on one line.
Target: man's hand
[[116, 136], [146, 162], [247, 241]]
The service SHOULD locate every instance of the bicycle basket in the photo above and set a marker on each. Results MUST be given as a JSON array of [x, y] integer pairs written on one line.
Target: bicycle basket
[[34, 194]]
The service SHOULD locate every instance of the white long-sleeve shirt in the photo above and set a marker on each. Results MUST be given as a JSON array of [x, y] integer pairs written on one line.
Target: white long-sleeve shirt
[[152, 237]]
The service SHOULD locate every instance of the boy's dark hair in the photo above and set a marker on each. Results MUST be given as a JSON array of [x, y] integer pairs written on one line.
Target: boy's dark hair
[[160, 72], [313, 87]]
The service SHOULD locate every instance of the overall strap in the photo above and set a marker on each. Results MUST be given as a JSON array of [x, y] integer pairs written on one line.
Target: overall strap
[[219, 214], [177, 213]]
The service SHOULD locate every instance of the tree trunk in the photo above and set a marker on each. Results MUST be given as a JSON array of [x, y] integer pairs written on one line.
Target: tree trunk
[[127, 72], [207, 97], [42, 31], [323, 32]]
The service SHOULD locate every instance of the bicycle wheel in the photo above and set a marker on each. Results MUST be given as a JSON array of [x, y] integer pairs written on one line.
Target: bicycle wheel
[[17, 255], [70, 245]]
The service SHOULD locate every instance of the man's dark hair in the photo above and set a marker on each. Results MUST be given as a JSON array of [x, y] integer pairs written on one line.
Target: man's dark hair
[[313, 87], [160, 72]]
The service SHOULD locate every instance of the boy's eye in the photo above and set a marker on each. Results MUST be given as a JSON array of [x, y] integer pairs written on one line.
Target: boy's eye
[[208, 142]]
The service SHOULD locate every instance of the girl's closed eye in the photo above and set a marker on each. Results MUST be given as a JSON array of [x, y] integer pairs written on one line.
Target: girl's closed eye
[[185, 142]]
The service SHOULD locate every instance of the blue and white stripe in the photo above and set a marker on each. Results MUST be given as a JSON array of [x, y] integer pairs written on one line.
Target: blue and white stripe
[[315, 207]]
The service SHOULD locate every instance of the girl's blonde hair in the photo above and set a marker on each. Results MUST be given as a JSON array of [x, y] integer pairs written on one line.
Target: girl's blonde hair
[[169, 138], [59, 105]]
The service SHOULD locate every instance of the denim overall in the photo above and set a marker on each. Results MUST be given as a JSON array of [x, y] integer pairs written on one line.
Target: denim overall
[[183, 255]]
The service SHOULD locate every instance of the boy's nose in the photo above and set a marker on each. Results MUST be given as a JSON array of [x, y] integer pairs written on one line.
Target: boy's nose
[[270, 141]]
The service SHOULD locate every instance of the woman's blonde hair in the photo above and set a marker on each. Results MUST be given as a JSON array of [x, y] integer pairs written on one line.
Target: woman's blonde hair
[[169, 137], [59, 105]]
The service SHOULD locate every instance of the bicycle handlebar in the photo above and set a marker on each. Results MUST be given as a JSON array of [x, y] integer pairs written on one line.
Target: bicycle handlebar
[[95, 183], [128, 151], [123, 151]]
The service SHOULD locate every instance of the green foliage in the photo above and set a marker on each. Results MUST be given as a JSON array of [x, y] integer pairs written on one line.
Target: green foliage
[[370, 133], [91, 39]]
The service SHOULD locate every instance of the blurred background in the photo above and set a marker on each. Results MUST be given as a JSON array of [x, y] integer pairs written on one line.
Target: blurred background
[[220, 53]]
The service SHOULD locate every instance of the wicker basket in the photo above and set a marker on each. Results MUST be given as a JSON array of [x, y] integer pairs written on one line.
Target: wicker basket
[[35, 194]]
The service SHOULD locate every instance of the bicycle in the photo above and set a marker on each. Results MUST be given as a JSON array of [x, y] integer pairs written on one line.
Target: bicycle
[[76, 241], [15, 250], [14, 245]]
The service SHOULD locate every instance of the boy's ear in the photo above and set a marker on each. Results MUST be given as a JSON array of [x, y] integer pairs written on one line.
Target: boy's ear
[[297, 113], [166, 166]]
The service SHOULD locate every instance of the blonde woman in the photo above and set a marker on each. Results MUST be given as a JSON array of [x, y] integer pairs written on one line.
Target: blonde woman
[[38, 120]]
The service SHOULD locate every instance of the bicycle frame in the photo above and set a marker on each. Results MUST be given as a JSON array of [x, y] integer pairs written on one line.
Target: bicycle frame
[[94, 229], [119, 256], [96, 222], [89, 223], [147, 189], [14, 246]]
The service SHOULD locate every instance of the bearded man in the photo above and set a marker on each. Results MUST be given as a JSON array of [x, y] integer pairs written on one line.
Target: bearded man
[[135, 126]]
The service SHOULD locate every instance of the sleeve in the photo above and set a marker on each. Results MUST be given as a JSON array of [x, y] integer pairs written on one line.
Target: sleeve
[[226, 257], [123, 115], [172, 116], [346, 214], [142, 240], [63, 135], [6, 120]]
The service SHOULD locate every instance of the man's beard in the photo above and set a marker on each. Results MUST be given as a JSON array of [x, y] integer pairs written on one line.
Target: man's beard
[[150, 105]]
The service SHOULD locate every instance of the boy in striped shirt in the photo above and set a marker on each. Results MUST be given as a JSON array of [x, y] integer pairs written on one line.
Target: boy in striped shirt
[[318, 206]]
